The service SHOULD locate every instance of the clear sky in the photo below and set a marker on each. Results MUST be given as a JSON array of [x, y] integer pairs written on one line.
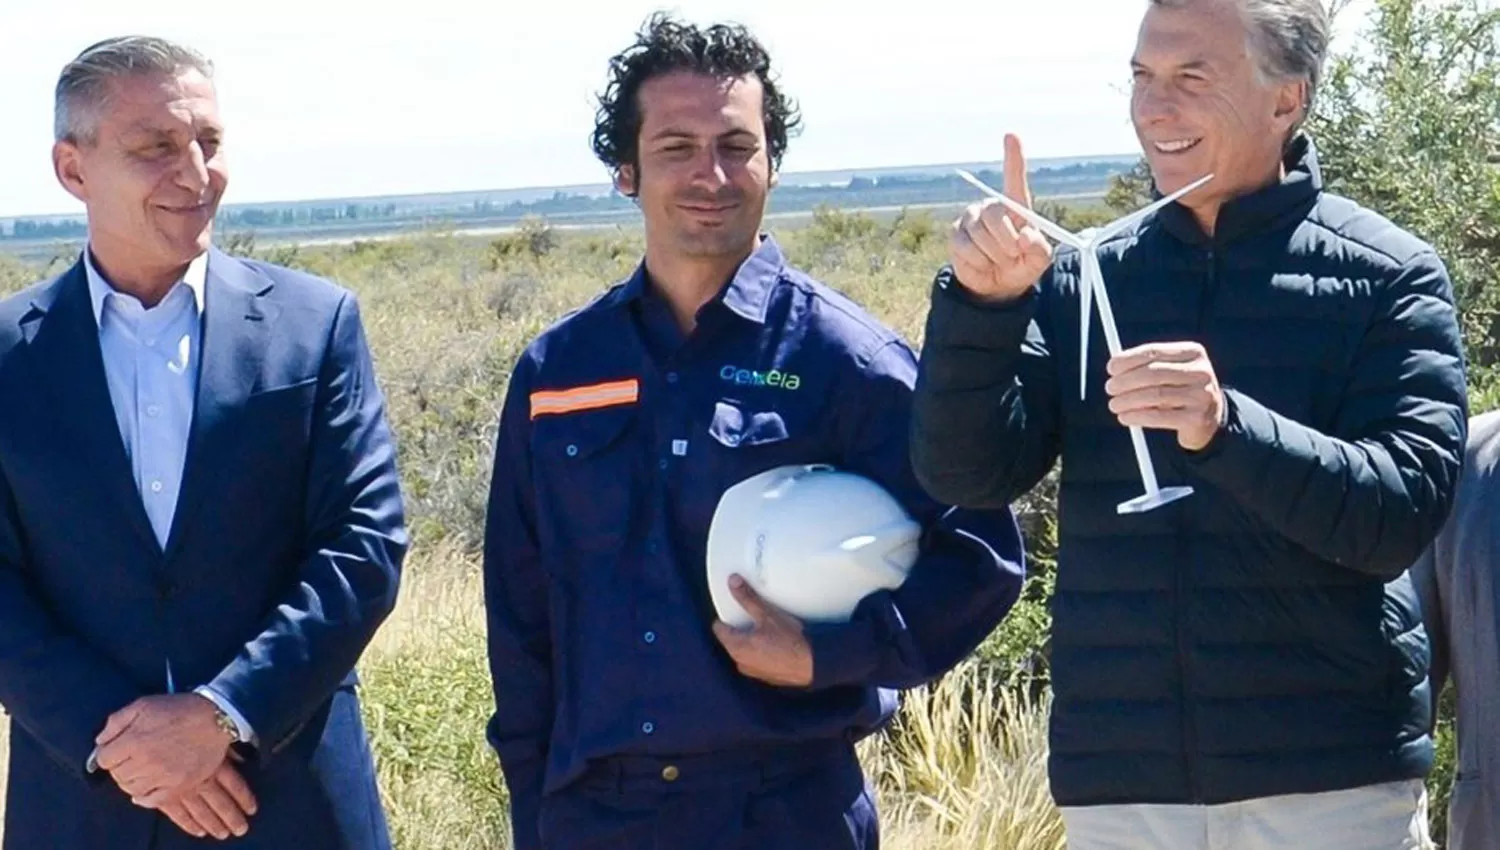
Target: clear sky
[[329, 98]]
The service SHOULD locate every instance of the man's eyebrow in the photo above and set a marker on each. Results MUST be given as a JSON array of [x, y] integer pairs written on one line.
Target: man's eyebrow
[[145, 127], [671, 133], [1197, 63]]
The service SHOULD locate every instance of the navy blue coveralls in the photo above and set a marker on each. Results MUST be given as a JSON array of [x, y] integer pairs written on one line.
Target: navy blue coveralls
[[619, 720]]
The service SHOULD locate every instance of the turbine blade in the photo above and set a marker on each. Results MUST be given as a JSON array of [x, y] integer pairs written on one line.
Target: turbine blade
[[1085, 319], [1042, 224], [1123, 222]]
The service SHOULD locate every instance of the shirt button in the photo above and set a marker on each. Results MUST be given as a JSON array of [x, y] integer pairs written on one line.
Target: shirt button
[[671, 377], [670, 773], [649, 637], [572, 450], [651, 548], [662, 464], [156, 486], [648, 727], [153, 410]]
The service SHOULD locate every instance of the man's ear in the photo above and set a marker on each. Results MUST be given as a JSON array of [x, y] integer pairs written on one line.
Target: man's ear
[[625, 180], [1291, 103], [67, 166]]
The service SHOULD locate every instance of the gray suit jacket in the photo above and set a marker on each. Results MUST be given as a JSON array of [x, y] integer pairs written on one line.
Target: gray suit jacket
[[1459, 582]]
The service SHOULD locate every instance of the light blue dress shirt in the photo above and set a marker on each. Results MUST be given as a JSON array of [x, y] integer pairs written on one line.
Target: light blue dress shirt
[[151, 364]]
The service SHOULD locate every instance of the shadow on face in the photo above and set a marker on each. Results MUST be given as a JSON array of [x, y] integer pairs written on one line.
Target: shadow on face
[[151, 174]]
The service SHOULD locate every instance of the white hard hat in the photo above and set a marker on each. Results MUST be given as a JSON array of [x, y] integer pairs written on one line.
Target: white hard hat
[[811, 540]]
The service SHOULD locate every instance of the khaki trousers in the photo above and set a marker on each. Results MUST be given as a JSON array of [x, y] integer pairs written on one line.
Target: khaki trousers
[[1391, 816]]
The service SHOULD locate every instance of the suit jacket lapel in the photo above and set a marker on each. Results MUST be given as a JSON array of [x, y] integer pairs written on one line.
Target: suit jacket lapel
[[233, 346], [65, 340]]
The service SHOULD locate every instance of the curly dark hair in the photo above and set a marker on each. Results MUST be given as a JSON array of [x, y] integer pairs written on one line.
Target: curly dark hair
[[664, 45]]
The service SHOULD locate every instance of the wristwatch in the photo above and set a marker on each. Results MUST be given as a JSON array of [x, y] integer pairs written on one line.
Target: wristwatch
[[227, 725]]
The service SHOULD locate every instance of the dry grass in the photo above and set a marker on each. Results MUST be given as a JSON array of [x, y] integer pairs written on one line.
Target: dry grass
[[965, 766]]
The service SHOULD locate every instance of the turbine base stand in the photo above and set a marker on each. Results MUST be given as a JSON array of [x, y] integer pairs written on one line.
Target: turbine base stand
[[1152, 501]]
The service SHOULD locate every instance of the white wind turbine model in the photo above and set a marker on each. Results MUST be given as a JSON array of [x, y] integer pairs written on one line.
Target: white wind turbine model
[[1090, 285]]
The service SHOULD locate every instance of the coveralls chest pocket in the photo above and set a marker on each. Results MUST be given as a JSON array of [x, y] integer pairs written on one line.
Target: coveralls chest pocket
[[584, 467], [746, 440]]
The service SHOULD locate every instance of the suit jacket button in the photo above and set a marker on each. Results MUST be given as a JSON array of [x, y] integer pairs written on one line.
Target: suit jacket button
[[166, 588]]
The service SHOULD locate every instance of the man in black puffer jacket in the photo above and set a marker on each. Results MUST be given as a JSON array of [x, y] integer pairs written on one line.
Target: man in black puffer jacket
[[1244, 667]]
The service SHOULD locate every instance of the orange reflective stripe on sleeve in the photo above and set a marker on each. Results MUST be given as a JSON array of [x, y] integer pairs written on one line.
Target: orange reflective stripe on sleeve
[[591, 397]]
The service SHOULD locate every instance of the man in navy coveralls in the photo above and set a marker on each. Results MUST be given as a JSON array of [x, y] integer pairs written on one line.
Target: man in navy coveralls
[[626, 716]]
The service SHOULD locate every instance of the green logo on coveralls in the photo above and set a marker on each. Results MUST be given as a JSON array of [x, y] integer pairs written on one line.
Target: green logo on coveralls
[[748, 378]]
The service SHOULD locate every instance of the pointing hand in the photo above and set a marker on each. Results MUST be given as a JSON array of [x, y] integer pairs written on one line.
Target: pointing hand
[[997, 255]]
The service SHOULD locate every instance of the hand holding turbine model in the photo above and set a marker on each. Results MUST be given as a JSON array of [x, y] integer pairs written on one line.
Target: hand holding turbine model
[[1091, 286]]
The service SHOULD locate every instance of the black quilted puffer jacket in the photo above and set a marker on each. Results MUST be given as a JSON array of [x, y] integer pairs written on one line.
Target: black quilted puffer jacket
[[1260, 636]]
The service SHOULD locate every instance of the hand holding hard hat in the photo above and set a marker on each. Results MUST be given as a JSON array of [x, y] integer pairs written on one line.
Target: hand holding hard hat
[[810, 540], [775, 649]]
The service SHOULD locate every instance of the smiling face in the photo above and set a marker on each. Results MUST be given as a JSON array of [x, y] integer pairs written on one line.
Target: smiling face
[[152, 176], [1200, 105], [703, 171]]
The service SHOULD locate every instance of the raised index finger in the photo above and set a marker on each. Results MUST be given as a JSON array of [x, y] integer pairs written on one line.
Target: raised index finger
[[1016, 187]]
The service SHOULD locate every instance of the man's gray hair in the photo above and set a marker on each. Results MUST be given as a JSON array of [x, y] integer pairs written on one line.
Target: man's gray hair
[[1287, 38], [83, 88]]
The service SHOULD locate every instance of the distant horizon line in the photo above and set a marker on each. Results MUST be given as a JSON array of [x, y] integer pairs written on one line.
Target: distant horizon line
[[915, 167]]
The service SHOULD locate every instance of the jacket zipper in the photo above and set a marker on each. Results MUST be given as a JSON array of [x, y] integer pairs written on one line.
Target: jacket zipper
[[1184, 648], [1209, 292]]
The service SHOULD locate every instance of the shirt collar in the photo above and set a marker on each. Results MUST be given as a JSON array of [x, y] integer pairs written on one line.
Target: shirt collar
[[100, 289], [748, 293]]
